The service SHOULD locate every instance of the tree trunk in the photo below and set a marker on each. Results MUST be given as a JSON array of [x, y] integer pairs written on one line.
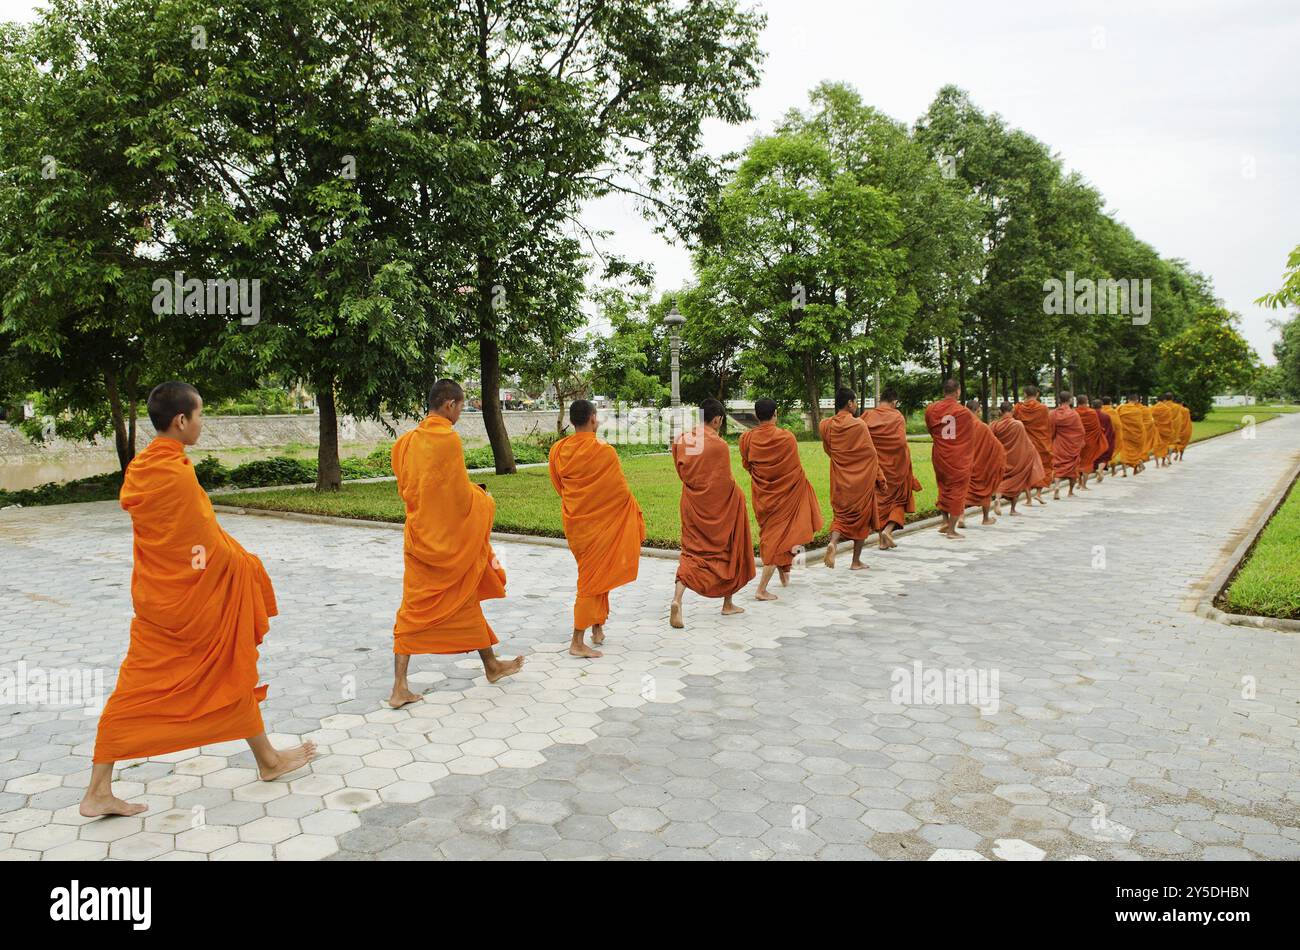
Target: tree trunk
[[503, 454], [810, 390], [123, 438], [329, 474]]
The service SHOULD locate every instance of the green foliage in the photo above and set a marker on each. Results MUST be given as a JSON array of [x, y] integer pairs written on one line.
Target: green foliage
[[1289, 294], [1208, 358]]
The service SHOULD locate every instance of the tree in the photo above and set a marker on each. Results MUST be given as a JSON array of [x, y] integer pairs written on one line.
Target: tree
[[568, 100], [1206, 359], [627, 364], [1287, 352], [325, 144], [1289, 293]]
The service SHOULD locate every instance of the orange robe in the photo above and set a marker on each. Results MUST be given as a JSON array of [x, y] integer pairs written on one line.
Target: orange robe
[[1184, 427], [602, 521], [1094, 439], [1108, 439], [1148, 432], [895, 500], [1162, 413], [788, 512], [449, 564], [1067, 442], [1165, 415], [1117, 429], [1038, 424], [202, 606], [717, 556], [1132, 433], [988, 463], [952, 429], [855, 475], [1024, 468]]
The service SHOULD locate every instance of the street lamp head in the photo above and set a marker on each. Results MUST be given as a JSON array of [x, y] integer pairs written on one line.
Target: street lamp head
[[674, 316]]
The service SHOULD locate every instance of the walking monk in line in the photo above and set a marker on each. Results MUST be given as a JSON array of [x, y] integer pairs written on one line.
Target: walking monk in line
[[1111, 412], [602, 522], [1038, 424], [1107, 438], [1183, 428], [1067, 443], [1132, 433], [1165, 414], [1148, 432], [202, 606], [788, 512], [896, 498], [951, 428], [717, 556], [988, 465], [1094, 441], [450, 566], [1024, 468], [855, 477]]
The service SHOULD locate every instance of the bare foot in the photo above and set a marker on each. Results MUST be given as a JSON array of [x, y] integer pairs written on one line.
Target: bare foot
[[402, 697], [764, 595], [989, 521], [675, 617], [733, 609], [582, 650], [857, 566], [829, 558], [597, 634], [954, 536], [504, 668], [97, 806], [784, 575], [288, 760]]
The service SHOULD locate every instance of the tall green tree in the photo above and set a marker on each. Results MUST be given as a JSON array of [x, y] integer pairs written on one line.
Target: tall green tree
[[568, 100], [1208, 358]]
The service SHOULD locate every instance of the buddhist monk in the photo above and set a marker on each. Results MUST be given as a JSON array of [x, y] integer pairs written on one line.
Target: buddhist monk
[[788, 512], [602, 522], [717, 556], [202, 606], [951, 428], [1038, 423], [1184, 428], [856, 477], [1148, 432], [1024, 468], [1094, 440], [1111, 412], [1107, 438], [1165, 414], [1132, 433], [450, 567], [896, 496], [1067, 443], [988, 466]]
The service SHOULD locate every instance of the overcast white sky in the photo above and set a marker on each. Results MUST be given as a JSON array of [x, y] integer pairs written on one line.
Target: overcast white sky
[[1185, 114]]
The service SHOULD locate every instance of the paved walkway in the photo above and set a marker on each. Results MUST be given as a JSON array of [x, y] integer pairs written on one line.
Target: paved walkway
[[1103, 719]]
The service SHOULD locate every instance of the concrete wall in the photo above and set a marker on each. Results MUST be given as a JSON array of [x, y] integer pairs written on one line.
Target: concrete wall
[[25, 464]]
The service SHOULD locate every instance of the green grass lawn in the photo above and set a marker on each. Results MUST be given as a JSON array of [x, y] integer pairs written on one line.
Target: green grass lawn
[[1268, 584], [527, 504]]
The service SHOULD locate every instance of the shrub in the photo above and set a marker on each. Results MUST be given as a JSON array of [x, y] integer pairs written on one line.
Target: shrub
[[211, 473], [273, 471]]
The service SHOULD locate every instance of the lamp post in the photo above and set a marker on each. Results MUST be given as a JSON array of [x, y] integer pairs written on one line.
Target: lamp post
[[674, 320]]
